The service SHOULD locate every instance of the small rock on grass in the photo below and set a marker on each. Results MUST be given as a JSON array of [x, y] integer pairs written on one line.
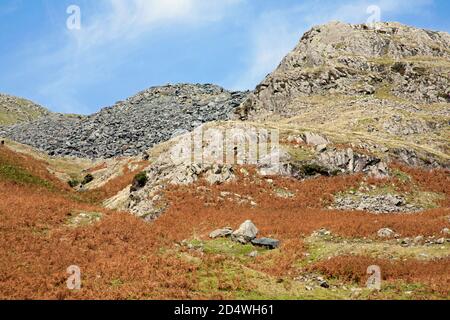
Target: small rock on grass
[[267, 243], [321, 233], [253, 254], [385, 233], [221, 233]]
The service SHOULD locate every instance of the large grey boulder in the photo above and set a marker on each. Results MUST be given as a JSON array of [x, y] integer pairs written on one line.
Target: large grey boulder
[[246, 232], [383, 203], [348, 161], [315, 139]]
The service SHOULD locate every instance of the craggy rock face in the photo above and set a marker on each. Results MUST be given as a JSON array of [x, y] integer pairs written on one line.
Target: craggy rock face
[[170, 169], [130, 127], [147, 202], [340, 58]]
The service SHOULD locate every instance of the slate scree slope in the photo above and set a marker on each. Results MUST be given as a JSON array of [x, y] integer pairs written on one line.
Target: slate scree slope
[[129, 127]]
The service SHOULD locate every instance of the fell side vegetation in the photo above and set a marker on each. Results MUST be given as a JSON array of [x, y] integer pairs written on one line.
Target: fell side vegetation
[[43, 231]]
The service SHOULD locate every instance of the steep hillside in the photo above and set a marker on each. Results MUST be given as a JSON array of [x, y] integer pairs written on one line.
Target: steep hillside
[[46, 227], [363, 175], [391, 61], [16, 110], [385, 89], [130, 127]]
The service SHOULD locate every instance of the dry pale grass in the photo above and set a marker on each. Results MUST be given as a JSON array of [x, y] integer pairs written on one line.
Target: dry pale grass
[[428, 180], [98, 167]]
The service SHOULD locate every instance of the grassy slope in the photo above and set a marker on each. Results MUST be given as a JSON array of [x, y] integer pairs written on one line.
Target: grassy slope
[[346, 122], [45, 227], [21, 110]]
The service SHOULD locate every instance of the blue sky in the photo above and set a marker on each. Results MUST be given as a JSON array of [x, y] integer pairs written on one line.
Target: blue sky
[[125, 46]]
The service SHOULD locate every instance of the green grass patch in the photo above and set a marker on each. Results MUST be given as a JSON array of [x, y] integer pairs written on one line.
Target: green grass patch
[[80, 219], [225, 246], [10, 117], [425, 199], [300, 154], [228, 247], [236, 281], [400, 175], [16, 174], [283, 193], [116, 283]]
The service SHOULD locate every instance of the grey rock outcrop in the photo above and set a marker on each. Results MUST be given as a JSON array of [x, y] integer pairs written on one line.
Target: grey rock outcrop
[[385, 233], [266, 243], [384, 203], [221, 233], [167, 169], [315, 139], [350, 162]]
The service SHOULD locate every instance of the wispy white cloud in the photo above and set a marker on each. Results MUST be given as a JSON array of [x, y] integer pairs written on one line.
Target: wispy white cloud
[[126, 20], [115, 30]]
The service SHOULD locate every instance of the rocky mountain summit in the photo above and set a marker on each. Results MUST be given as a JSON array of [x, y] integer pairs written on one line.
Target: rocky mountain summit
[[16, 110], [129, 127], [383, 88], [340, 58]]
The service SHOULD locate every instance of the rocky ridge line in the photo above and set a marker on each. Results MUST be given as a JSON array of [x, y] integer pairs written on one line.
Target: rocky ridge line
[[129, 127]]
